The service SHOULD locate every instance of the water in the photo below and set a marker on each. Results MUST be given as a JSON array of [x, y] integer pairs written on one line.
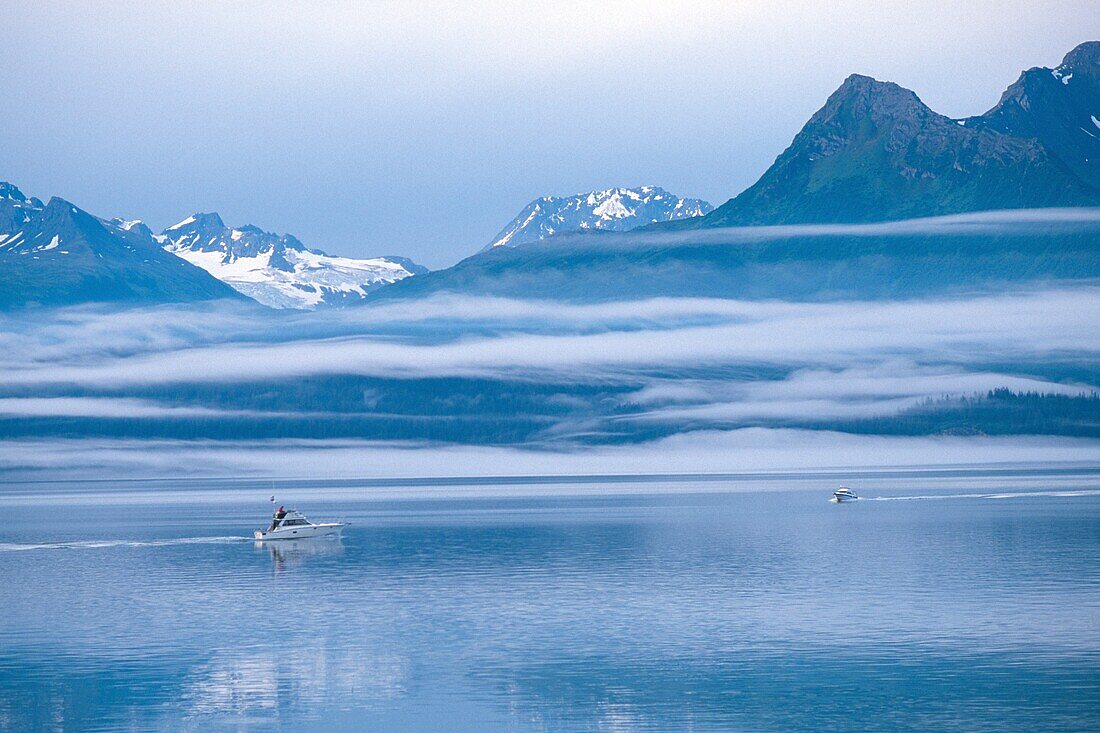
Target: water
[[651, 606]]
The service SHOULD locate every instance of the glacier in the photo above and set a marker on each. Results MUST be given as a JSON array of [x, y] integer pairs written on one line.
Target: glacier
[[278, 270]]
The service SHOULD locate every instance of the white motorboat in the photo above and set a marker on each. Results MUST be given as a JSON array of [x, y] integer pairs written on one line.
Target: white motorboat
[[844, 494], [290, 524]]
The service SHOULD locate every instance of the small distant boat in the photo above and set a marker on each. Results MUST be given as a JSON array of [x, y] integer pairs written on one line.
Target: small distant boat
[[844, 494], [290, 524]]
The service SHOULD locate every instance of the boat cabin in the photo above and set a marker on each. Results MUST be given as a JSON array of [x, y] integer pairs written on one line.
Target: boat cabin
[[292, 518]]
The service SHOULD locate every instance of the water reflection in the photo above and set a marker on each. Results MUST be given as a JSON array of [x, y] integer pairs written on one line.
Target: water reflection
[[290, 676], [286, 554]]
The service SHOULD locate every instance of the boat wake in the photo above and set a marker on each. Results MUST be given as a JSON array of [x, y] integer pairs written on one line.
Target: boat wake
[[99, 544], [995, 495]]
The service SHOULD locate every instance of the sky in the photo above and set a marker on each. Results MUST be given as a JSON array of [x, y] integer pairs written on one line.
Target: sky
[[421, 129]]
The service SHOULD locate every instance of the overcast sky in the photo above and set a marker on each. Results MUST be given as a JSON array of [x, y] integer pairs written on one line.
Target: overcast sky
[[422, 128]]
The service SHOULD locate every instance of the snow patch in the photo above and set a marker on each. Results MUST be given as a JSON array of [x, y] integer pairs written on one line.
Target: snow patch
[[14, 240], [183, 223], [613, 208]]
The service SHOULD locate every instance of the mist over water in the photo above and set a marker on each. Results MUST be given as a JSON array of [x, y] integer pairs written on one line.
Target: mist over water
[[455, 385]]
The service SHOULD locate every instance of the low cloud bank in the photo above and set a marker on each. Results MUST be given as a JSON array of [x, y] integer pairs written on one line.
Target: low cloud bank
[[878, 389], [118, 407], [482, 371], [837, 334], [753, 449], [1011, 221]]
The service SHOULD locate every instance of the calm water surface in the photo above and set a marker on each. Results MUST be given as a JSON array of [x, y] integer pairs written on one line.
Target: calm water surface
[[678, 607]]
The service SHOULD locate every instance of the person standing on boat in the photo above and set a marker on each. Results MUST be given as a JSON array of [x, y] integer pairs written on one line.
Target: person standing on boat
[[279, 514]]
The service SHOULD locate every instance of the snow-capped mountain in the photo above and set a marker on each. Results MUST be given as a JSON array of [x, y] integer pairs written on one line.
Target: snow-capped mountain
[[59, 254], [614, 209], [277, 269], [15, 208]]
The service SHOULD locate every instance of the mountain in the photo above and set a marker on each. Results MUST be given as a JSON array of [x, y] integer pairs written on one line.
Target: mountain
[[614, 209], [875, 152], [985, 251], [1060, 108], [59, 254], [277, 269]]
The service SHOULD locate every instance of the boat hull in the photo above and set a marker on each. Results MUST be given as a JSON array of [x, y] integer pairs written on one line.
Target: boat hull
[[300, 532]]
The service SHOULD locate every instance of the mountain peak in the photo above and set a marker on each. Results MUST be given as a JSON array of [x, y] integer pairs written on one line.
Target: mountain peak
[[1084, 58], [611, 209], [1059, 108], [199, 221], [858, 85], [137, 226], [856, 82], [9, 191], [67, 219], [862, 97], [58, 207]]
